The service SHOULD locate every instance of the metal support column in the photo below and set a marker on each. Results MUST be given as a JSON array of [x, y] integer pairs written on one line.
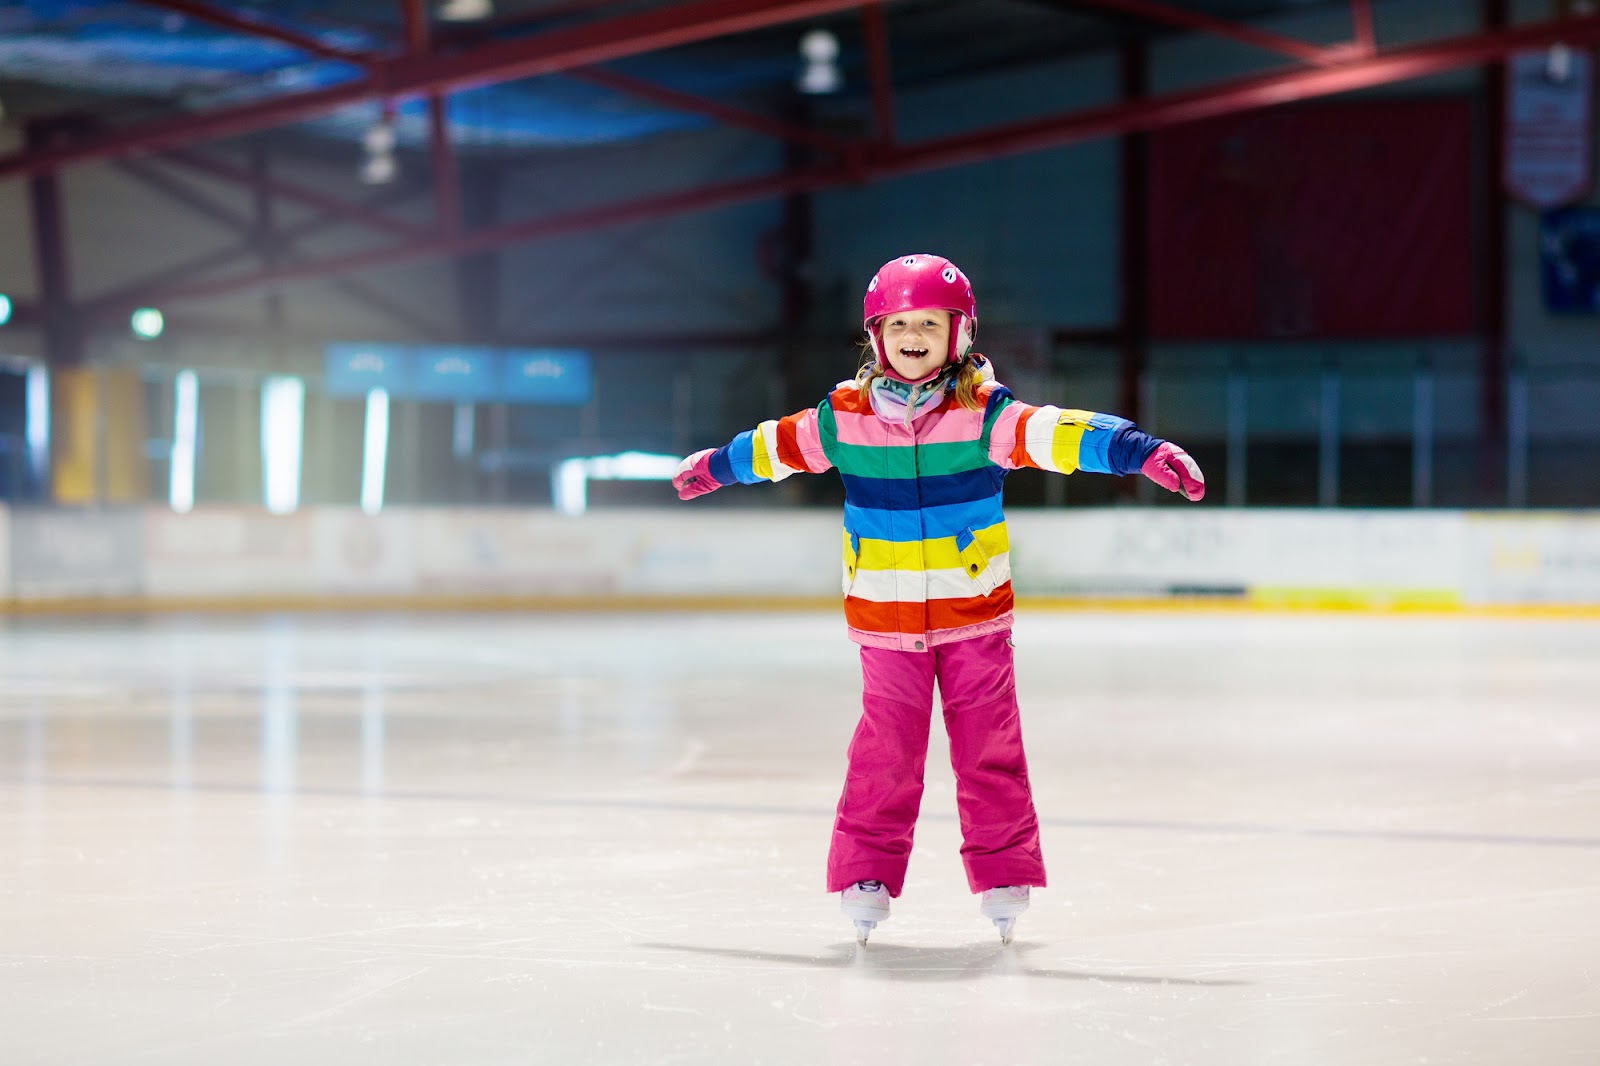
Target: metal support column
[[1493, 217], [1133, 306], [265, 237], [63, 339], [1238, 434], [1422, 434], [1517, 438], [500, 443], [1328, 444], [478, 276]]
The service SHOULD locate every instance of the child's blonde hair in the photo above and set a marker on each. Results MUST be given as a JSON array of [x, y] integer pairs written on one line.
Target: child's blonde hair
[[964, 385]]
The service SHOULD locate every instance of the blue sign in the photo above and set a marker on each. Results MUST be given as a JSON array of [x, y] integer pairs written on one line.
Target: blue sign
[[456, 374], [1569, 260], [547, 375], [356, 369], [460, 375]]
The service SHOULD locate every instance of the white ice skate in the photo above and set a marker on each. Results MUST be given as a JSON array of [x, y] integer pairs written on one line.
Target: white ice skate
[[1003, 906], [866, 903]]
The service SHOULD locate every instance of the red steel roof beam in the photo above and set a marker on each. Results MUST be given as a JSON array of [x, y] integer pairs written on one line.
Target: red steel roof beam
[[228, 20], [442, 160], [1401, 64], [646, 210], [1194, 20], [1245, 94], [600, 42], [414, 17], [446, 182], [148, 138], [875, 34], [546, 53], [288, 190], [699, 105], [24, 314], [139, 293], [1365, 36], [473, 33]]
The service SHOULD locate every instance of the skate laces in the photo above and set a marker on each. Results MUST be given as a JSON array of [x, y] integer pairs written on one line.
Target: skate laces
[[868, 886]]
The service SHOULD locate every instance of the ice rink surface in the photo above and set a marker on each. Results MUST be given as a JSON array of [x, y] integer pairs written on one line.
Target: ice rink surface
[[1272, 839]]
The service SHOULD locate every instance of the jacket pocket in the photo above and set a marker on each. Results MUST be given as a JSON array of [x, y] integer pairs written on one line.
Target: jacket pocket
[[975, 561], [852, 559]]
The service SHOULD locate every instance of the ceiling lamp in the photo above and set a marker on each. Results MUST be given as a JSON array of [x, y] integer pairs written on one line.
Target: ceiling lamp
[[820, 75], [465, 10], [147, 323], [380, 167]]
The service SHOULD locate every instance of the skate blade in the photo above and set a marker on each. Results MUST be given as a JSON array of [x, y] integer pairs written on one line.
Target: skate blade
[[1006, 926], [863, 930]]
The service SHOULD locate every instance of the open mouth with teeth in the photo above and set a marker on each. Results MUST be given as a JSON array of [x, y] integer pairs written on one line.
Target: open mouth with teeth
[[913, 353]]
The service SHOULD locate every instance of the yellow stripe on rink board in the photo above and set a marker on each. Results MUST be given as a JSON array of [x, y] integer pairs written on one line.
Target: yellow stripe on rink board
[[1357, 599], [1251, 605], [745, 604]]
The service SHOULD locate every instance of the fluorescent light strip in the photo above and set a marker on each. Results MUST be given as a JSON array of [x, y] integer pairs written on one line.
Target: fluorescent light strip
[[462, 444], [376, 454], [185, 432], [569, 483], [37, 385], [282, 436]]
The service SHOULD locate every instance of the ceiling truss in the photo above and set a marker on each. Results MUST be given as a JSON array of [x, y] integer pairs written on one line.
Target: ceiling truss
[[429, 72]]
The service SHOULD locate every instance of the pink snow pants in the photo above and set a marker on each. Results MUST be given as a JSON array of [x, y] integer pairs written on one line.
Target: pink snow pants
[[883, 784]]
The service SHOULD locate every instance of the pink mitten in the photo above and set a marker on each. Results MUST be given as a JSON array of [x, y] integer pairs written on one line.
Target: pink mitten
[[694, 476], [1174, 470]]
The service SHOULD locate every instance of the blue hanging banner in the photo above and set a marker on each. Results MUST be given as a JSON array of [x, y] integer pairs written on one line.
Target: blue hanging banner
[[1569, 260], [558, 376], [547, 375], [356, 369], [455, 374]]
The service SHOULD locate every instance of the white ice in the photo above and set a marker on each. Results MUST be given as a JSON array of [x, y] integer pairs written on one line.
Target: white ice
[[1296, 840]]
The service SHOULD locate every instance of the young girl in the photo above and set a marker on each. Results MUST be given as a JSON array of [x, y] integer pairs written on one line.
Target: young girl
[[923, 438]]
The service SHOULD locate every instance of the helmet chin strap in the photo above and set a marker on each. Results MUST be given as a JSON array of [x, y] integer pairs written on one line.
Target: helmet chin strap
[[963, 336]]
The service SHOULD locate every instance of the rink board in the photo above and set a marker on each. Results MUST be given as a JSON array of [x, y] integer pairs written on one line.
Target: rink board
[[339, 557]]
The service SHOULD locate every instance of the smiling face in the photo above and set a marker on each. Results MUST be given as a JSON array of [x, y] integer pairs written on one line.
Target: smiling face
[[916, 343]]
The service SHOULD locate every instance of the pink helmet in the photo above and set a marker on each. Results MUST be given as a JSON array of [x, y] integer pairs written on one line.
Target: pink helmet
[[914, 281]]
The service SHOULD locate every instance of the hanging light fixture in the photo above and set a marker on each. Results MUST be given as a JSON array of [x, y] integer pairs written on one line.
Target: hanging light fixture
[[820, 74], [147, 323], [380, 166], [466, 10]]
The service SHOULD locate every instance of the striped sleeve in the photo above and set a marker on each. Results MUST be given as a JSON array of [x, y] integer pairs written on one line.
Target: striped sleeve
[[772, 451], [1064, 440]]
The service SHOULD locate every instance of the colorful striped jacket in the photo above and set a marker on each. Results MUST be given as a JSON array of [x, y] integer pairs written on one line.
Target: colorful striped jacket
[[926, 556]]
